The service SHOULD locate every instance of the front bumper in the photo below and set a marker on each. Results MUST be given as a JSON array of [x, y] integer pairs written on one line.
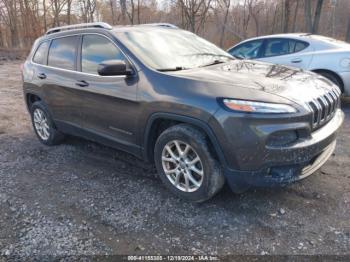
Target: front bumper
[[284, 165]]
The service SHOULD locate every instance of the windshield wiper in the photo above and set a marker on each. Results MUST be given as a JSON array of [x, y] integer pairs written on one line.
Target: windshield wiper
[[177, 68], [212, 54], [215, 62]]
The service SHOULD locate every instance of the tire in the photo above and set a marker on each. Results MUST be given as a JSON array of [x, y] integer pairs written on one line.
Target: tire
[[43, 125], [334, 79], [207, 184]]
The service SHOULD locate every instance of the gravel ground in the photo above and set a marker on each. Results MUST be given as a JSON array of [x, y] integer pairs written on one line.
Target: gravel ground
[[81, 198]]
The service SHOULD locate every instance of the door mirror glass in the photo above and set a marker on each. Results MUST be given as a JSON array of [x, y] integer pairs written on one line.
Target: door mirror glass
[[114, 68]]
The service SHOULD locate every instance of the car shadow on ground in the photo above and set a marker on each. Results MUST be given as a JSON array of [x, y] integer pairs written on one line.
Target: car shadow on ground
[[138, 168]]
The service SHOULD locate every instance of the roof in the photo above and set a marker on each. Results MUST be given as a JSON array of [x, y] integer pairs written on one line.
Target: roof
[[101, 25]]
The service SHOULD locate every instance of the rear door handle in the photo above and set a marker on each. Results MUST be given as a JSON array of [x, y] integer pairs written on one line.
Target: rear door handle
[[42, 76], [82, 83], [297, 60]]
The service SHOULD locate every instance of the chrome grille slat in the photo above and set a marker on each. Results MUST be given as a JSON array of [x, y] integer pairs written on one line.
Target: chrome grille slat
[[318, 112], [324, 107], [335, 100], [331, 105]]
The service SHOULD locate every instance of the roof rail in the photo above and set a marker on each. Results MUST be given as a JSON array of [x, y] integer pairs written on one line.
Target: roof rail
[[162, 25], [77, 26]]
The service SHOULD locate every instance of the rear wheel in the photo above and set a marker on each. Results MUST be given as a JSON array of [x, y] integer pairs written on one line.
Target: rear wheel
[[44, 126], [186, 165]]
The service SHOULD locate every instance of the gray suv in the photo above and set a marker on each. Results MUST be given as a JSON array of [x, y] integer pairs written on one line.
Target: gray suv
[[172, 98]]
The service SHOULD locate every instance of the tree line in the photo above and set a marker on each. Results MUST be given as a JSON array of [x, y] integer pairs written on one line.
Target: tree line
[[223, 22]]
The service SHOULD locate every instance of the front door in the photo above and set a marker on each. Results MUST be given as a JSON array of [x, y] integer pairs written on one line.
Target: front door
[[109, 104]]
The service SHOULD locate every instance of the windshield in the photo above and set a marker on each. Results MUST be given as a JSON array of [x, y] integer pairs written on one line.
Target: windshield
[[171, 50]]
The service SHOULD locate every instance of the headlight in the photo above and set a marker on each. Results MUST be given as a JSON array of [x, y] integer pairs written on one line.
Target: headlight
[[258, 107]]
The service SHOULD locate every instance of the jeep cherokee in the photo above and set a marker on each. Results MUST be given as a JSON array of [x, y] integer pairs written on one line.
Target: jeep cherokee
[[172, 98]]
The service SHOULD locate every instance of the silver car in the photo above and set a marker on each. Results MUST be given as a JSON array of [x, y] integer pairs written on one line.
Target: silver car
[[323, 55]]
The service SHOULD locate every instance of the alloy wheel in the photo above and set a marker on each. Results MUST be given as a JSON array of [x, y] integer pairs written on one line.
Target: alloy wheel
[[182, 166], [41, 124]]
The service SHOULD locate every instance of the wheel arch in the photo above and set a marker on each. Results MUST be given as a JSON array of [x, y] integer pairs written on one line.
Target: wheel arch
[[154, 129], [320, 71], [31, 98]]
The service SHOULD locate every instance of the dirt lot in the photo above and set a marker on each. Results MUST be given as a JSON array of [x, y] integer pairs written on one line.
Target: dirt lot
[[81, 198]]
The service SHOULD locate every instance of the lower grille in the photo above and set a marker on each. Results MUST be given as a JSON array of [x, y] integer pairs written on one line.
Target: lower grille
[[324, 107]]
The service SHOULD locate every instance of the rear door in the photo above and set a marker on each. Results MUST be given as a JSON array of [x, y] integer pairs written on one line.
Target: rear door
[[59, 76], [285, 51], [108, 103]]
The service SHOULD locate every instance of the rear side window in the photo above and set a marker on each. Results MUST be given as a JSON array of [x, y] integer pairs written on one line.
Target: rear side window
[[284, 46], [96, 49], [276, 47], [41, 53], [62, 52]]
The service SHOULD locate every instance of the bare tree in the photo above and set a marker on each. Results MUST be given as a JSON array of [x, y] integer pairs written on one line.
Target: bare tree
[[317, 16], [57, 7], [224, 7], [255, 8], [195, 12], [69, 11], [220, 21], [9, 16], [312, 22], [307, 15], [131, 12], [348, 32], [295, 15], [286, 15], [88, 9], [123, 9]]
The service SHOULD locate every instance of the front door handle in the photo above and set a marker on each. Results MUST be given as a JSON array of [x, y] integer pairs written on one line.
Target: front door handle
[[42, 76], [82, 83], [297, 60]]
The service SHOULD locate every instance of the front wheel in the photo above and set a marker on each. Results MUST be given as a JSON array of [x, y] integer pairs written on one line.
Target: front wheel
[[186, 165]]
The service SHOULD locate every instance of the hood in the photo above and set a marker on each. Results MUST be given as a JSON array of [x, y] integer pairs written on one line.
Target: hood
[[289, 83]]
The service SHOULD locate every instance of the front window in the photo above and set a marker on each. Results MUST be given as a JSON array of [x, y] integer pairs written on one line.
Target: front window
[[96, 49], [172, 49], [248, 50]]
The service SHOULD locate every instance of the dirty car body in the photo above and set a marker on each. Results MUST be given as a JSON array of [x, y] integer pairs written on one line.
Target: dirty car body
[[266, 124]]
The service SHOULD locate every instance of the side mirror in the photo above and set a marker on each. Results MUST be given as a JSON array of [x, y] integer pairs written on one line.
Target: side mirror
[[114, 68]]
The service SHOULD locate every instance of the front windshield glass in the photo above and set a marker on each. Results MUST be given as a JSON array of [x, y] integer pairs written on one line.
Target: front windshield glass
[[168, 49]]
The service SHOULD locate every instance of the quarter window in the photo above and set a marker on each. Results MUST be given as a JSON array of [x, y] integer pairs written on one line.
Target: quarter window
[[41, 53], [62, 53], [95, 50], [299, 46]]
